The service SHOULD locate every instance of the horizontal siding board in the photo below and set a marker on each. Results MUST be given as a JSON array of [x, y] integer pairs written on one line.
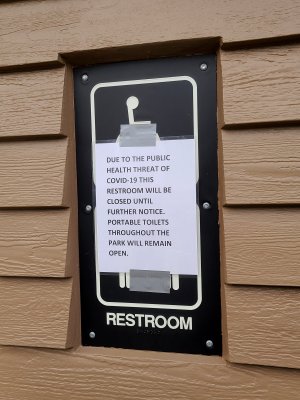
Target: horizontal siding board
[[257, 20], [261, 166], [262, 246], [263, 325], [31, 103], [261, 85], [98, 373], [34, 243], [32, 173], [33, 32], [34, 312]]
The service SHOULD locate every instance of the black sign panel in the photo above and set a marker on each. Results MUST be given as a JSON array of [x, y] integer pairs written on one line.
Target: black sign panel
[[158, 290]]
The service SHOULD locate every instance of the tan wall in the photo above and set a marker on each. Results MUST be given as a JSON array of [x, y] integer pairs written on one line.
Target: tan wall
[[259, 170]]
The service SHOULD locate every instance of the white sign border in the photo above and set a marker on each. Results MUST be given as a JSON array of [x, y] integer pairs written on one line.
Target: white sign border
[[195, 122]]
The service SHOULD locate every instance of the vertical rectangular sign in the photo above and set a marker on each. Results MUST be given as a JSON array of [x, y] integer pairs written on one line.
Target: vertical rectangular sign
[[147, 189]]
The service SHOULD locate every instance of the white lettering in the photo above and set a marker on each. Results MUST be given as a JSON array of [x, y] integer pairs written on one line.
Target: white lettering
[[130, 320], [121, 319], [186, 324], [175, 326], [164, 323], [149, 321], [110, 317], [139, 318]]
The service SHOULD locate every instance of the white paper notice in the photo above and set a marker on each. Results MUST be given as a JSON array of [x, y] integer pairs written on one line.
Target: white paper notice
[[146, 207]]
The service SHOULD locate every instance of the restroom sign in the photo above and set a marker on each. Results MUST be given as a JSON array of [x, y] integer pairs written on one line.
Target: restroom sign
[[146, 160]]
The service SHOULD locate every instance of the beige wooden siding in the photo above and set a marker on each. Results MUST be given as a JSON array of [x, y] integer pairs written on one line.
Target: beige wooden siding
[[262, 246], [260, 177], [261, 85], [32, 173], [263, 325], [31, 103], [35, 243], [35, 312], [95, 373], [259, 189], [36, 32], [38, 229], [262, 166]]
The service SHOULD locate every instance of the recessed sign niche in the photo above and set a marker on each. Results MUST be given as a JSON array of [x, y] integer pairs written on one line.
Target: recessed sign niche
[[147, 196]]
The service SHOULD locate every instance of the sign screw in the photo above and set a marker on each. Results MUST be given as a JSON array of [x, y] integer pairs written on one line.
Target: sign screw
[[203, 67], [84, 77], [209, 344], [88, 208], [206, 205], [92, 335]]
